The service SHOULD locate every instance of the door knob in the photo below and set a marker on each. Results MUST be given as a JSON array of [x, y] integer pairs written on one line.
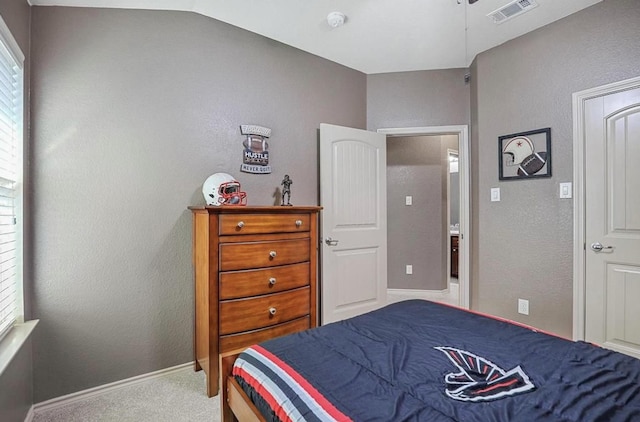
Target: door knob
[[597, 246], [331, 242]]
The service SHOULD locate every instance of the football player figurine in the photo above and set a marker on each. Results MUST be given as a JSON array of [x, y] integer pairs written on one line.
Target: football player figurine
[[286, 189]]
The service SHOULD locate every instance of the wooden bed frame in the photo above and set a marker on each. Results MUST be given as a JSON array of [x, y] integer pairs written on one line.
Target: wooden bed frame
[[235, 405]]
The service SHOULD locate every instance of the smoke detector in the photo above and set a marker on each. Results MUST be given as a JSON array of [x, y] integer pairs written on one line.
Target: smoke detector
[[336, 19]]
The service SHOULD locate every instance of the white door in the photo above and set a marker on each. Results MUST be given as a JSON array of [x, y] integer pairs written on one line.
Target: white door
[[612, 221], [354, 221]]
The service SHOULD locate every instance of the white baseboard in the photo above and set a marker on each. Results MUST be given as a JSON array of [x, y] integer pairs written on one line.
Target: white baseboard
[[102, 389], [30, 415], [398, 295]]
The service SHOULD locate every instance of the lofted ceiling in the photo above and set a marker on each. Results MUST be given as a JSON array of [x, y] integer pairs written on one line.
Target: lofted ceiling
[[378, 36]]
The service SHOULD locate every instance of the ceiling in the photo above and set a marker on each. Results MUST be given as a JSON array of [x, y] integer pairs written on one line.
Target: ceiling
[[378, 36]]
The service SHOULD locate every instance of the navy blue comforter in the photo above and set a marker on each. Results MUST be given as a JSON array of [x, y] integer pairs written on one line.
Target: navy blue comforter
[[421, 361]]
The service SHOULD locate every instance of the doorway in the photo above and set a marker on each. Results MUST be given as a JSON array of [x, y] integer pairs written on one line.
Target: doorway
[[453, 213], [454, 293]]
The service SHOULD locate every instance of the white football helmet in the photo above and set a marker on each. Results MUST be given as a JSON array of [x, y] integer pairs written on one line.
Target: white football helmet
[[517, 149], [223, 189]]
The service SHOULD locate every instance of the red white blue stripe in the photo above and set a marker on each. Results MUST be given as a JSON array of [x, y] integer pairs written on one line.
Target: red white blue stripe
[[290, 396]]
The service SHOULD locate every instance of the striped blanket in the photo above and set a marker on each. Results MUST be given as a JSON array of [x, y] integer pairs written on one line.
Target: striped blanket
[[420, 361]]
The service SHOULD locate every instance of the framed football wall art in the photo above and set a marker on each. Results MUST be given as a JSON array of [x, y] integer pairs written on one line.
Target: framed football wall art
[[525, 155], [255, 155]]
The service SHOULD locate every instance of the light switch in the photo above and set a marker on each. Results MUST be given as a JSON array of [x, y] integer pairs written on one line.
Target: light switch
[[495, 194], [565, 190], [408, 200]]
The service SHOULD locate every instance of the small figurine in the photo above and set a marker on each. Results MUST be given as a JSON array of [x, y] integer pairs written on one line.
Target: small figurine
[[286, 189]]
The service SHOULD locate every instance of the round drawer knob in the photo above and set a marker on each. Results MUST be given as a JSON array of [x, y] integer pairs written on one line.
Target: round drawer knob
[[240, 224], [272, 281], [272, 311], [298, 223], [272, 254]]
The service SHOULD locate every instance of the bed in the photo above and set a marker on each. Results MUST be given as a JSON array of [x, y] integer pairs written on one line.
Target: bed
[[422, 361]]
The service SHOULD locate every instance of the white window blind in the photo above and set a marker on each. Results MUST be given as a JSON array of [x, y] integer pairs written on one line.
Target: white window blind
[[11, 116]]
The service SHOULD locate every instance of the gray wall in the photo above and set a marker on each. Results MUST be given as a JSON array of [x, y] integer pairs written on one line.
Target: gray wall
[[417, 234], [454, 198], [132, 110], [527, 84], [16, 386], [414, 99]]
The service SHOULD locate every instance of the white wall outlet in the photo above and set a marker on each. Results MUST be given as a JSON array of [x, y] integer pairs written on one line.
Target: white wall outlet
[[495, 194], [409, 269], [565, 190], [523, 306], [408, 200]]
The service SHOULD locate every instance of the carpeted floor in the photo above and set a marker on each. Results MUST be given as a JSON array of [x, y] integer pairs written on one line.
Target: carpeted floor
[[179, 396]]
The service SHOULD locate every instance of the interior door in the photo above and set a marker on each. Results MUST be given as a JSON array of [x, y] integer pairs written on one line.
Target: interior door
[[354, 221], [612, 219]]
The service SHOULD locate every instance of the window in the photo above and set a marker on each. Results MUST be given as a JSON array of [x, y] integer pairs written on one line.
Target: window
[[11, 118]]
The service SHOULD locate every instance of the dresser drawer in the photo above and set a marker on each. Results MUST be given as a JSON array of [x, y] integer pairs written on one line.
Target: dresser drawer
[[236, 341], [242, 256], [231, 224], [236, 284], [263, 311]]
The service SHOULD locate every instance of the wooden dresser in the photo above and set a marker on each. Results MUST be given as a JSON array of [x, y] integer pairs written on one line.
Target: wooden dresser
[[255, 278]]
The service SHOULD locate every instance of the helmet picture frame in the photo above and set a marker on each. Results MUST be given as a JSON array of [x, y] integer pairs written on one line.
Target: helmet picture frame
[[525, 155]]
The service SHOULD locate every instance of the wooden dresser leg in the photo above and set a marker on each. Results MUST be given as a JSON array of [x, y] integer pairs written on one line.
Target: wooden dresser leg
[[212, 383]]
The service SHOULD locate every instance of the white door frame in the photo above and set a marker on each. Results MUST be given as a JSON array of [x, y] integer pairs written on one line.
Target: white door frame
[[464, 166], [579, 247]]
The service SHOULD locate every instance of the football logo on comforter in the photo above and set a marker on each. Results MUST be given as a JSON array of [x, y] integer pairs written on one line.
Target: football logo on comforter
[[480, 379]]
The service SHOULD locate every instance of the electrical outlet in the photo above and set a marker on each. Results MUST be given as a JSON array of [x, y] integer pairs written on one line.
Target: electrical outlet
[[523, 306], [408, 200], [409, 269]]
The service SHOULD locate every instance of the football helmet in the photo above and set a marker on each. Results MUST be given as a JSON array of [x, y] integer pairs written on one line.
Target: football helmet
[[517, 149], [223, 189]]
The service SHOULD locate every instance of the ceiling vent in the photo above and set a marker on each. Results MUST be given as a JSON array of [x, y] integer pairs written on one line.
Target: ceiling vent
[[511, 10]]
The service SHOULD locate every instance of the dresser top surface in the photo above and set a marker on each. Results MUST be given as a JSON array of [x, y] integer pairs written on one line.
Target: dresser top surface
[[253, 209]]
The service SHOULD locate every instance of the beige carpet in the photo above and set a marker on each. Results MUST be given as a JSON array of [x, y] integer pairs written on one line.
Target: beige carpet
[[179, 396]]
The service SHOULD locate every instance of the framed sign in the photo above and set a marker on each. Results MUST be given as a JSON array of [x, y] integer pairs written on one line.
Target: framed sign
[[525, 155], [255, 156]]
